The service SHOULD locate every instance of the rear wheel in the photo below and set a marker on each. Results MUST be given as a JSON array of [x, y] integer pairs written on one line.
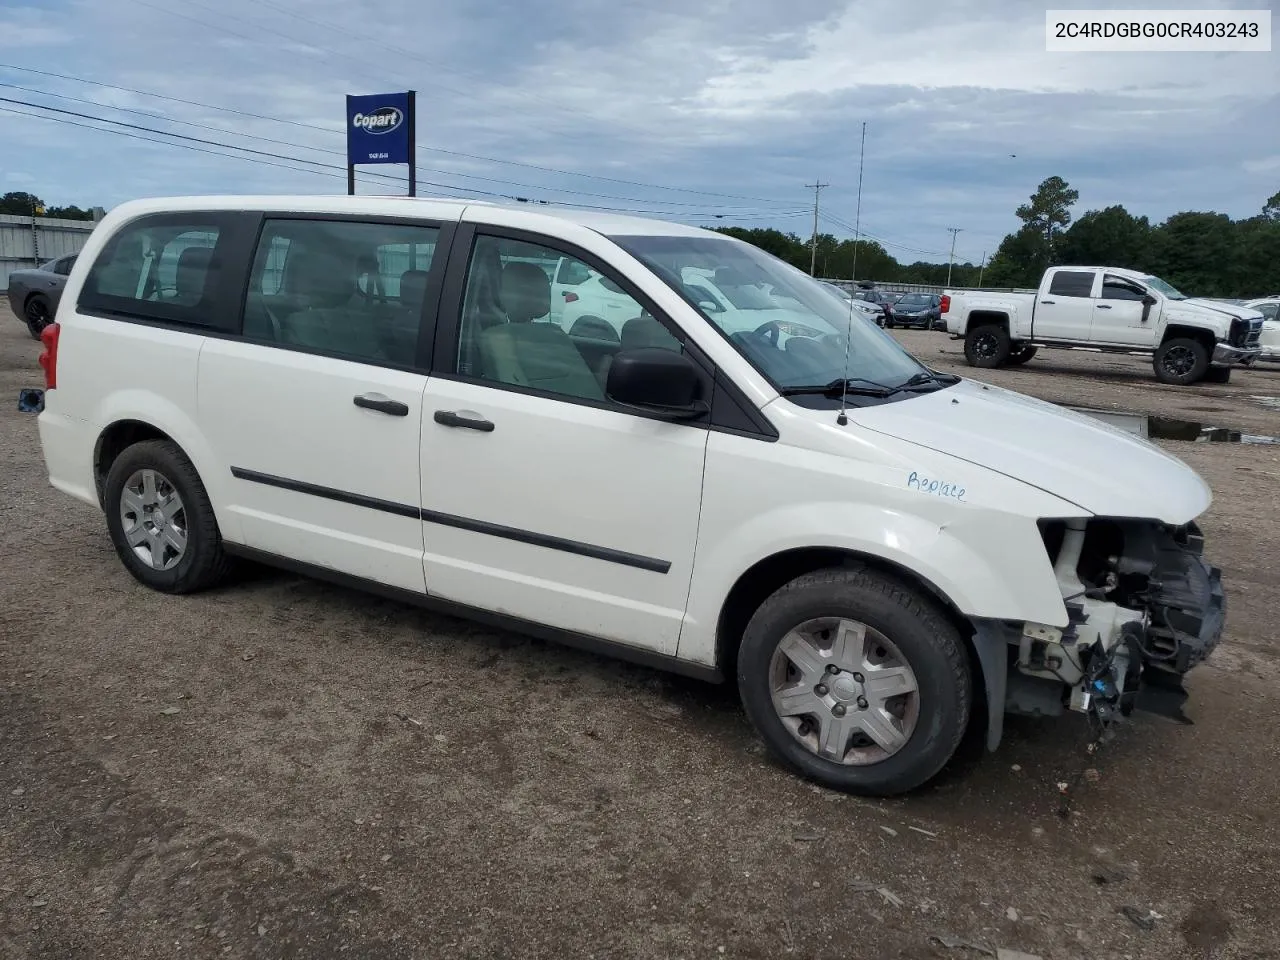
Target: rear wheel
[[856, 680], [987, 346], [1181, 361], [160, 519], [1021, 355], [38, 315]]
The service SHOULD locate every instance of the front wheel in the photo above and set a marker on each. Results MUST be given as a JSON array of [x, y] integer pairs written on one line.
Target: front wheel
[[1181, 361], [987, 346], [856, 680]]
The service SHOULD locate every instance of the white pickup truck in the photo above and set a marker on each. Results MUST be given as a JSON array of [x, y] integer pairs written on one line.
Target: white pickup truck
[[1109, 309]]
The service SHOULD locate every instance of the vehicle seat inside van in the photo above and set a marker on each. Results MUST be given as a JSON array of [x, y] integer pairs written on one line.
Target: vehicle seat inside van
[[539, 355], [331, 317], [194, 265]]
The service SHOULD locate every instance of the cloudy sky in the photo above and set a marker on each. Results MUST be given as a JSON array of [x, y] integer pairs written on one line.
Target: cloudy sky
[[692, 111]]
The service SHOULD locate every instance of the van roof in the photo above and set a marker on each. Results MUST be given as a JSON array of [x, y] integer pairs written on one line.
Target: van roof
[[604, 222]]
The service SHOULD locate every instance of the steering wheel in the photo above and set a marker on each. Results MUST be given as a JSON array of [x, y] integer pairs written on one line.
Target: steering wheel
[[770, 331]]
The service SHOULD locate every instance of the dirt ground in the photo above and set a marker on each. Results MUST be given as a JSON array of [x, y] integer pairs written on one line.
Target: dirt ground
[[282, 769]]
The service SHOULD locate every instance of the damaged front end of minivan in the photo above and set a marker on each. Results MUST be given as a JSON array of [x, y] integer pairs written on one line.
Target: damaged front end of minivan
[[1144, 608]]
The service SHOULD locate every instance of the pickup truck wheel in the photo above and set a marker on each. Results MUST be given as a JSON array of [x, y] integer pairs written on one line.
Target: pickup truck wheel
[[856, 681], [987, 346], [160, 519], [1217, 375], [1181, 361], [1021, 355]]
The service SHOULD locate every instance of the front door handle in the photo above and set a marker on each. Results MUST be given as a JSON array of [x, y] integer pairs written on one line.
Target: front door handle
[[1047, 303], [376, 401], [448, 418], [1104, 306]]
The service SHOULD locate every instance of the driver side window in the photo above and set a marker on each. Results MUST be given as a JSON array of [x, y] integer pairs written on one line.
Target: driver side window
[[1117, 288], [510, 334]]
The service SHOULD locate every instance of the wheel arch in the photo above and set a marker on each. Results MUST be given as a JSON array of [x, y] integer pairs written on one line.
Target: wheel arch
[[1175, 331], [985, 318], [113, 441], [760, 580]]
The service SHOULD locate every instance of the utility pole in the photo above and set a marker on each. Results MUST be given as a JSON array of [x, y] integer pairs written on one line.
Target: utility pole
[[982, 268], [952, 257], [857, 221], [813, 253]]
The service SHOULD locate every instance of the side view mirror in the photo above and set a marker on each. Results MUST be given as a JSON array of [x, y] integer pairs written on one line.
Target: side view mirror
[[710, 306], [1149, 300], [657, 381]]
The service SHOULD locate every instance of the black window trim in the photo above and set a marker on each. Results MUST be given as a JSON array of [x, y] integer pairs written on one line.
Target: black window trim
[[430, 300], [716, 384], [1116, 280], [234, 246]]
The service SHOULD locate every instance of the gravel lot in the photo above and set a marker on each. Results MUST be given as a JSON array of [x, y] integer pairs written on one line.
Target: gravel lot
[[285, 769]]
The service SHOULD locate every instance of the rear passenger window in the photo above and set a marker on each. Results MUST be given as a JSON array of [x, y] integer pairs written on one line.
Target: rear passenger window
[[164, 268], [347, 288], [1071, 283]]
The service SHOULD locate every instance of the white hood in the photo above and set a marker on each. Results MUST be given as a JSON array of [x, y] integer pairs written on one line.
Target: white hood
[[1225, 312], [1103, 469]]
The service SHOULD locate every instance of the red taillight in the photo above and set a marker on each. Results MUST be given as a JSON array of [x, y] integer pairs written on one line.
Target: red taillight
[[49, 356], [570, 297], [945, 306]]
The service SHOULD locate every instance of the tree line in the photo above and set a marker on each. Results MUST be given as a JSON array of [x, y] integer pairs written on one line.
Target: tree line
[[28, 204], [1201, 253]]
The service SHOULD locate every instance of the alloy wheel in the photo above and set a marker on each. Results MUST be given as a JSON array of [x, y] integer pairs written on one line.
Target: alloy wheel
[[154, 519]]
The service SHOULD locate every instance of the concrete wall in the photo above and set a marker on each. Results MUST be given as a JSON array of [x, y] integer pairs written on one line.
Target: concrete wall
[[22, 247]]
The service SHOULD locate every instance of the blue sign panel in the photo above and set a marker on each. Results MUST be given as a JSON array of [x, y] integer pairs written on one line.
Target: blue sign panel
[[378, 129]]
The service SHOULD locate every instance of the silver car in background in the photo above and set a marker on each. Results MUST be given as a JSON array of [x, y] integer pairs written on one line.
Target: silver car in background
[[34, 293]]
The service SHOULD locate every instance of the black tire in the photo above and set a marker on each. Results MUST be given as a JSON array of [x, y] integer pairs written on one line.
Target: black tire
[[38, 314], [928, 642], [1021, 356], [987, 346], [1181, 361], [203, 563], [1217, 375]]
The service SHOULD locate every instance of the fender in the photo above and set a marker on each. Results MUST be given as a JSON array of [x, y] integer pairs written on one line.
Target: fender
[[158, 411], [994, 581]]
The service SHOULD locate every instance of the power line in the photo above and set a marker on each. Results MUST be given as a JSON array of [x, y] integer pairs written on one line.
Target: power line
[[817, 188], [422, 147], [952, 257]]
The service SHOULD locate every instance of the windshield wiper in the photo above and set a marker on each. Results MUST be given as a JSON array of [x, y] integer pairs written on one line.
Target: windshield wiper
[[857, 386], [926, 378]]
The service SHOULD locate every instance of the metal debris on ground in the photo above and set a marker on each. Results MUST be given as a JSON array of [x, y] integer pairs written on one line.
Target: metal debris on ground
[[890, 831], [927, 833], [170, 711], [1142, 919], [866, 886], [953, 943]]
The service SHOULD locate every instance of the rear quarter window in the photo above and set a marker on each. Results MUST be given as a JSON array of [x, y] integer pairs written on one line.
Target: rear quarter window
[[183, 270]]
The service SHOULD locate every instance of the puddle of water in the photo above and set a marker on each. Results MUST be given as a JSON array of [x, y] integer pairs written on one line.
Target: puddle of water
[[1172, 428]]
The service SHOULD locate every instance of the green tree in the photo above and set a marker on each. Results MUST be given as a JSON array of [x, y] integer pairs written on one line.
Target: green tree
[[1049, 211], [1020, 260], [1271, 209], [19, 203], [69, 213], [1200, 254], [1112, 237]]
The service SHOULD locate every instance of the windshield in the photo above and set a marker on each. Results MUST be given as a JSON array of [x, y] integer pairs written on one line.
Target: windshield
[[1155, 283], [787, 324], [915, 300]]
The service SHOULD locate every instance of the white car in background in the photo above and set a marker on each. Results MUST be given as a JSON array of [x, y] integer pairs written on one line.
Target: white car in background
[[1269, 307]]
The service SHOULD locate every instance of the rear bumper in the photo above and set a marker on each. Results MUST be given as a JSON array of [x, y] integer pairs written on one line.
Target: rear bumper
[[67, 444], [1226, 354]]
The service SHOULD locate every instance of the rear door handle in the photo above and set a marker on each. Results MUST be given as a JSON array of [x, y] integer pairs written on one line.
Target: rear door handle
[[1104, 306], [376, 401], [1048, 303], [449, 418]]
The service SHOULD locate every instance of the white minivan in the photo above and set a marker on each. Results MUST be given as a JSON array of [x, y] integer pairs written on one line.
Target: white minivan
[[372, 390]]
